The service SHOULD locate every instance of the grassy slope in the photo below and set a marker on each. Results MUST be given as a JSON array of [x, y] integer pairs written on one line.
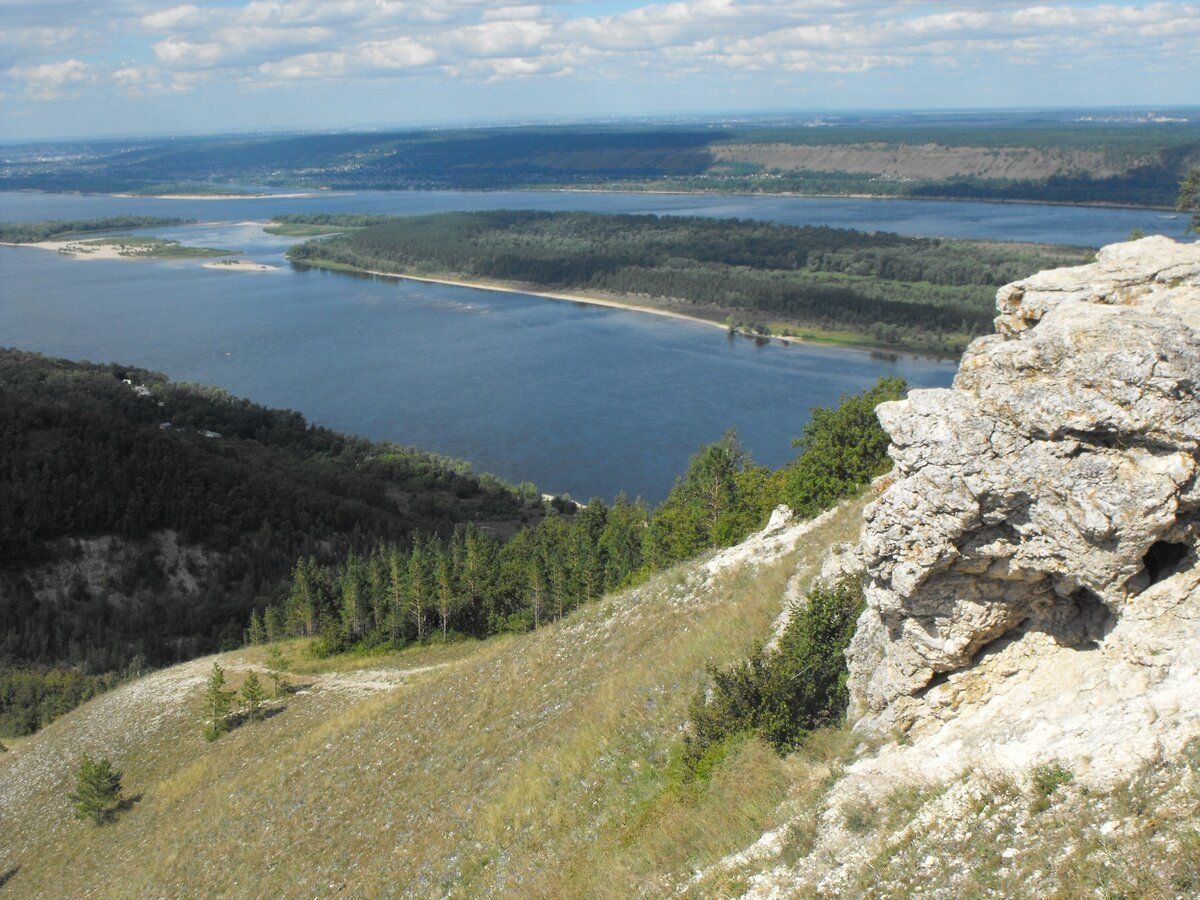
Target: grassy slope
[[535, 765]]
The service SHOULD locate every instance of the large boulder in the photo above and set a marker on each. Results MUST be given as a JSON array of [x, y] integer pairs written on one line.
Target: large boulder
[[1047, 504]]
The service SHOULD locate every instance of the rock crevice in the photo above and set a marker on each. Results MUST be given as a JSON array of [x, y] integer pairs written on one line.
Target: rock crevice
[[1048, 503]]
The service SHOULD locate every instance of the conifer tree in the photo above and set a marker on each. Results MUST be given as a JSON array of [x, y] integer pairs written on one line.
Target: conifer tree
[[254, 696], [256, 632], [445, 591], [273, 627], [97, 790], [218, 702], [276, 667], [418, 587], [397, 592]]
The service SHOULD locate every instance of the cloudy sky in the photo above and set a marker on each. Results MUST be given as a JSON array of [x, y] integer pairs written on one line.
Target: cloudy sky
[[95, 67]]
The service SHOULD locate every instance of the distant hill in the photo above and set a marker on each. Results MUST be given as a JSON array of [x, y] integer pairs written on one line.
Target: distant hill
[[1014, 157]]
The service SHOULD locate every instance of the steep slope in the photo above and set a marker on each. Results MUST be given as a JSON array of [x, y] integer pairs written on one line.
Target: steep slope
[[145, 518], [1025, 675], [536, 765]]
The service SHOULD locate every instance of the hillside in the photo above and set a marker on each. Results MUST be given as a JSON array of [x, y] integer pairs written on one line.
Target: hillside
[[1020, 156], [1021, 683], [141, 519], [536, 765]]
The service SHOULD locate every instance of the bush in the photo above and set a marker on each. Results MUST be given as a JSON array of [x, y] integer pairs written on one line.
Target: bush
[[787, 693]]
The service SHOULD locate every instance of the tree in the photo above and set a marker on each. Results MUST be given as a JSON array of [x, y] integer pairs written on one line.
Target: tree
[[254, 696], [276, 665], [218, 702], [418, 586], [1189, 196], [842, 450], [97, 790], [3, 749], [256, 633], [444, 578]]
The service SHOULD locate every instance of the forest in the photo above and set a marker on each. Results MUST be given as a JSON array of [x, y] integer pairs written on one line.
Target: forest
[[285, 528], [1152, 157], [468, 583], [90, 451], [31, 232], [925, 294]]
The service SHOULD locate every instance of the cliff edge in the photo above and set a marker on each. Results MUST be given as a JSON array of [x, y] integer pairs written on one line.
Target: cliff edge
[[1031, 570]]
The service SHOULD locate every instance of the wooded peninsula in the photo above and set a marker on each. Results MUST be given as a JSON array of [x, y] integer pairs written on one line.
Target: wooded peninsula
[[926, 295]]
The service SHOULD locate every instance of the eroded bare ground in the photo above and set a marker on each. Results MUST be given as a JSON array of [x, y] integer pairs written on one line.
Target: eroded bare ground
[[933, 162]]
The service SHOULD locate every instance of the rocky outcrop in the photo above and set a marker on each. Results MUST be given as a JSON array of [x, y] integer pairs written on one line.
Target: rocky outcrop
[[1040, 527]]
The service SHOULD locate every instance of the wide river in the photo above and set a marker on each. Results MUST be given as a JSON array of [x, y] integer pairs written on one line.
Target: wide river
[[575, 398]]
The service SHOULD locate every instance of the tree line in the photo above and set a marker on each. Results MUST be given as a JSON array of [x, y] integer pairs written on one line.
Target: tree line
[[31, 232], [469, 583], [937, 293]]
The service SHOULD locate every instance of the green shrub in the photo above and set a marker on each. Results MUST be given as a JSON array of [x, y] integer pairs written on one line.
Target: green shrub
[[785, 694]]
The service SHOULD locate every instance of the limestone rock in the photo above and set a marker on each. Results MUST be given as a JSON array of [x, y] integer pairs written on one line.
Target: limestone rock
[[1045, 510]]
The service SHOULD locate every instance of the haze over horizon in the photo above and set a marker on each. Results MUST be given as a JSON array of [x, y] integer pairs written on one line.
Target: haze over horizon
[[72, 69]]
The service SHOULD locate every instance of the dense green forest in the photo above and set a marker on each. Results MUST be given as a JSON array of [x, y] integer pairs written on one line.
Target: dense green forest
[[90, 451], [1150, 157], [284, 528], [31, 232], [469, 583], [924, 294]]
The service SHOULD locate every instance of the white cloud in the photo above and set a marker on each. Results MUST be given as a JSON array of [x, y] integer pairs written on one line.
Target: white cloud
[[172, 18], [49, 80], [276, 40]]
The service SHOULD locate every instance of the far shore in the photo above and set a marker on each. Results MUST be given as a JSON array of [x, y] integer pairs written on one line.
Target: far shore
[[629, 306], [222, 196]]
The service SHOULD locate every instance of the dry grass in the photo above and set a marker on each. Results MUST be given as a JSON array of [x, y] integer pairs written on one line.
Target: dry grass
[[538, 765]]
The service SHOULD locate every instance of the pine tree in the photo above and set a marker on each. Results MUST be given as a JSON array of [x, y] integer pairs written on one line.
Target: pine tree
[[256, 632], [218, 702], [276, 666], [273, 626], [254, 696], [97, 790], [444, 578], [418, 587]]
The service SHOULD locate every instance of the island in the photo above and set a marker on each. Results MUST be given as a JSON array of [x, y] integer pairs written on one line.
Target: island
[[71, 238], [831, 285]]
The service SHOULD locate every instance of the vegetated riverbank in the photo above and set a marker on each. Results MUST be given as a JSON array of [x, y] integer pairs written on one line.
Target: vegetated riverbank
[[783, 333], [923, 295]]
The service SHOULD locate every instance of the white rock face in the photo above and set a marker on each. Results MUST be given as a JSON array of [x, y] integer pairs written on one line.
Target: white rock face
[[1037, 544]]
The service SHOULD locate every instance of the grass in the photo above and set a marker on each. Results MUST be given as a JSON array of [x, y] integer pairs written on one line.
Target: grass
[[532, 765], [298, 229]]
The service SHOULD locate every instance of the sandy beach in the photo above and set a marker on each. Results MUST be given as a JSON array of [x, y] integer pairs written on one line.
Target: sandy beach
[[239, 265], [85, 249], [589, 299]]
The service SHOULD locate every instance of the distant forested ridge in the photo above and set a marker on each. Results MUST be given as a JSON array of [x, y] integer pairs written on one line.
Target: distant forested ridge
[[1052, 157], [924, 294], [31, 232], [141, 520]]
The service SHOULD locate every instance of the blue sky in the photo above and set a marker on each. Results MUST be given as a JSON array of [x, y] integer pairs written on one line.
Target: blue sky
[[75, 68]]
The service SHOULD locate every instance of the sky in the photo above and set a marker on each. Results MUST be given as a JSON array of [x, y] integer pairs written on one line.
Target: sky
[[75, 68]]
